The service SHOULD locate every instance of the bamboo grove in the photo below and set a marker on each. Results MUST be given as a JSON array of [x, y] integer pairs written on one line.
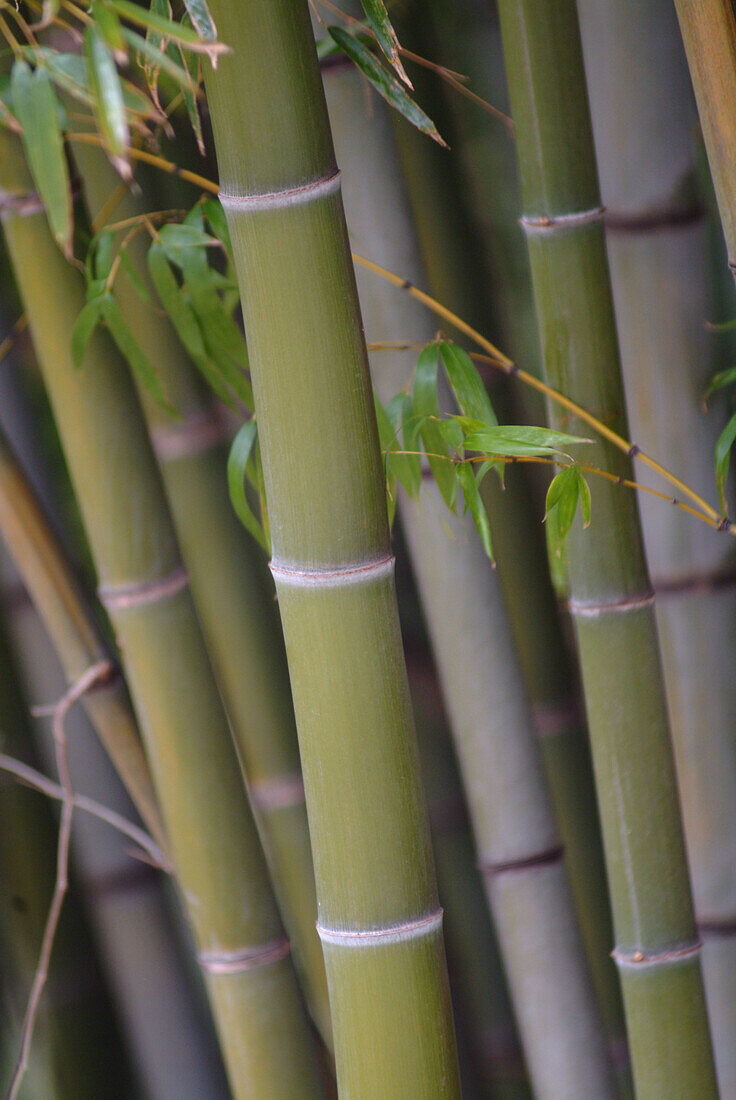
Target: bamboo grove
[[366, 570]]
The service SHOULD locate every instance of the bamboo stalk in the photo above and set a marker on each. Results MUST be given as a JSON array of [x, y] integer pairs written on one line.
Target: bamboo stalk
[[708, 30], [514, 827], [214, 843], [69, 622], [645, 136], [379, 920], [457, 277], [657, 949], [234, 602]]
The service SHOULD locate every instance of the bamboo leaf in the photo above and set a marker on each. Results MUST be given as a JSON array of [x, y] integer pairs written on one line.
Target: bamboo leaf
[[130, 271], [561, 505], [386, 438], [380, 24], [384, 82], [132, 352], [71, 73], [467, 384], [215, 215], [719, 381], [167, 28], [174, 237], [424, 399], [201, 18], [241, 455], [515, 440], [107, 23], [37, 110], [159, 60], [408, 467], [191, 64], [109, 107], [721, 459], [474, 505], [84, 326]]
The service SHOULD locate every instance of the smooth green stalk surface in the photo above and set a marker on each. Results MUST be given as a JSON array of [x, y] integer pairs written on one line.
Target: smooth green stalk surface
[[709, 33], [456, 277], [378, 912], [220, 865], [657, 948], [235, 601], [513, 822], [658, 248], [48, 576]]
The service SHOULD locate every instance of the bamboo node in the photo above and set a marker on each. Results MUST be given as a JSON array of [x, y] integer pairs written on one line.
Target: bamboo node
[[655, 220], [137, 595], [245, 958], [346, 574], [290, 196], [555, 719], [394, 933], [547, 223], [278, 793], [543, 858], [658, 958], [21, 204], [593, 610], [190, 437]]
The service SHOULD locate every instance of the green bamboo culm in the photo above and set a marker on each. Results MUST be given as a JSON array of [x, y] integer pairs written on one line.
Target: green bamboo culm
[[708, 30], [513, 821], [646, 140], [263, 1027], [234, 602], [457, 278], [657, 948], [71, 627], [379, 918]]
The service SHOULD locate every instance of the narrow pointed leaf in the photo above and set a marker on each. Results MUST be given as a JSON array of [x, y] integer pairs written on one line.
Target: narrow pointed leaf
[[426, 408], [384, 82], [467, 384], [561, 506], [134, 277], [241, 455], [519, 441], [474, 505], [201, 19], [37, 110], [377, 16], [107, 94], [131, 351], [84, 326], [720, 380], [71, 73], [159, 59], [108, 24], [408, 467], [167, 28], [721, 458]]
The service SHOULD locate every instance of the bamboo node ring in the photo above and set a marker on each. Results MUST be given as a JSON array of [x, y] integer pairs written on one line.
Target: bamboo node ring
[[525, 863], [137, 595], [547, 223], [346, 574], [290, 196], [246, 958], [21, 204], [658, 958], [394, 933], [277, 793], [593, 610], [191, 437]]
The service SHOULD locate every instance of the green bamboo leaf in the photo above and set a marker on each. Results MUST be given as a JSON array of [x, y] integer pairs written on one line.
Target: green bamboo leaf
[[191, 64], [721, 459], [101, 255], [585, 500], [130, 271], [201, 19], [515, 440], [719, 381], [215, 215], [70, 72], [467, 384], [184, 320], [474, 504], [108, 24], [158, 59], [384, 82], [132, 352], [408, 467], [174, 238], [166, 28], [37, 109], [452, 433], [426, 408], [386, 439], [241, 456], [109, 107], [84, 326], [561, 505], [411, 434], [380, 24]]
